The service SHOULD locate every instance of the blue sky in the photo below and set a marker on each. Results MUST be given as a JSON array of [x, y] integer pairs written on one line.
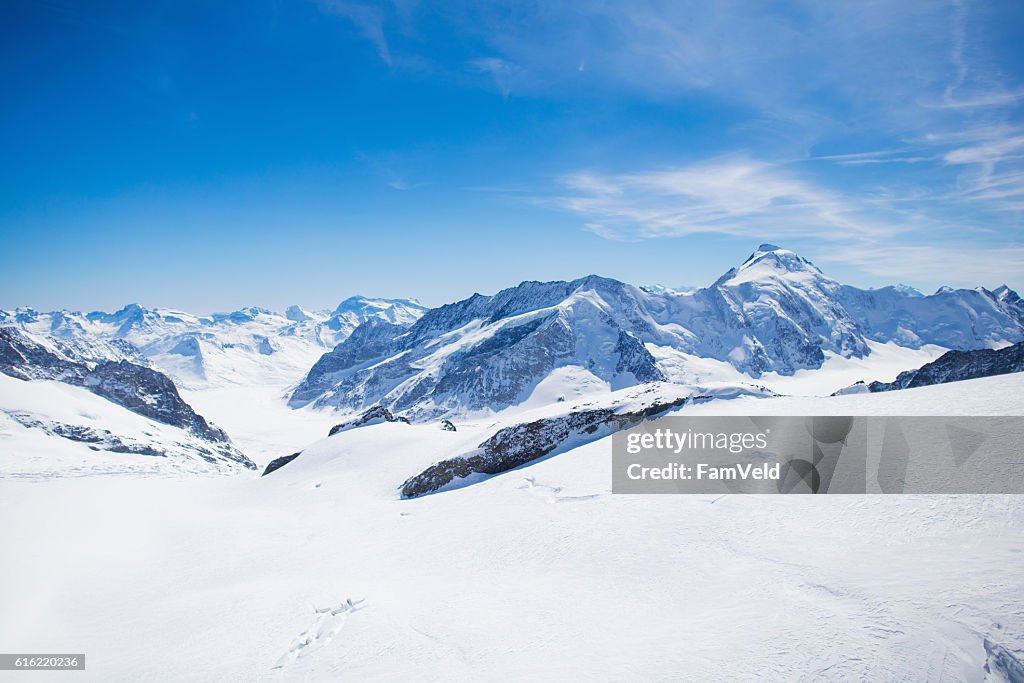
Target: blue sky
[[213, 155]]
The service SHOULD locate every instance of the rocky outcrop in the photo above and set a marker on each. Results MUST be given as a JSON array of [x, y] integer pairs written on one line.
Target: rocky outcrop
[[24, 359], [278, 463], [954, 366], [447, 426], [375, 415], [636, 359], [151, 394], [222, 456], [96, 439], [519, 444]]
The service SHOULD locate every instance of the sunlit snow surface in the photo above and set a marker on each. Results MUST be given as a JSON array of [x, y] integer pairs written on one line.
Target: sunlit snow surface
[[320, 572]]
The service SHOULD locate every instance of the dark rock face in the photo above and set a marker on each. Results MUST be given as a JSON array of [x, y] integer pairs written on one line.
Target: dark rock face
[[278, 463], [140, 389], [498, 371], [374, 415], [526, 297], [447, 426], [954, 366], [372, 340], [635, 358], [23, 359], [264, 347], [151, 394], [519, 444]]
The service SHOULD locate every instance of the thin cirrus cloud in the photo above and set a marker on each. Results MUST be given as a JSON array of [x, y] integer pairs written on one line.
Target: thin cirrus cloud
[[886, 156], [733, 196], [891, 235], [990, 165], [960, 267], [751, 199], [367, 18], [994, 151], [503, 72]]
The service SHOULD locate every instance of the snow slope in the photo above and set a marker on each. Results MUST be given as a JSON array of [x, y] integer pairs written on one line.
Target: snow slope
[[34, 415], [259, 420], [320, 572]]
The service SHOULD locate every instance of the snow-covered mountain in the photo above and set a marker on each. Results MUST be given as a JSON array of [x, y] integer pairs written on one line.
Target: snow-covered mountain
[[34, 399], [775, 313], [250, 346], [157, 363]]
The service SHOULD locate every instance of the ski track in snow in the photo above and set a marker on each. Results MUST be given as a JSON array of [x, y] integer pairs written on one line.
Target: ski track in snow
[[553, 494], [326, 626]]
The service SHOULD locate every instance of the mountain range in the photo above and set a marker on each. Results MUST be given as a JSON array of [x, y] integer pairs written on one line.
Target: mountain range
[[241, 347], [126, 369], [774, 315]]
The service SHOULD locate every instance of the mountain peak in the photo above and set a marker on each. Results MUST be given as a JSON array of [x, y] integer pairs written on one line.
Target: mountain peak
[[596, 282], [1004, 293], [768, 262], [359, 304], [770, 250], [907, 290]]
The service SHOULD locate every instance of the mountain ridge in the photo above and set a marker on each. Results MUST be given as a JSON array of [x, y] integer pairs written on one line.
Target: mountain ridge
[[775, 312], [235, 347]]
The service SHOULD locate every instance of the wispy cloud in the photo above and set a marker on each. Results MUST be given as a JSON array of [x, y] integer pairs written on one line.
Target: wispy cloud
[[898, 235], [731, 195], [888, 156], [992, 172], [394, 170], [957, 265], [998, 98], [502, 71], [993, 151], [368, 19], [961, 93]]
